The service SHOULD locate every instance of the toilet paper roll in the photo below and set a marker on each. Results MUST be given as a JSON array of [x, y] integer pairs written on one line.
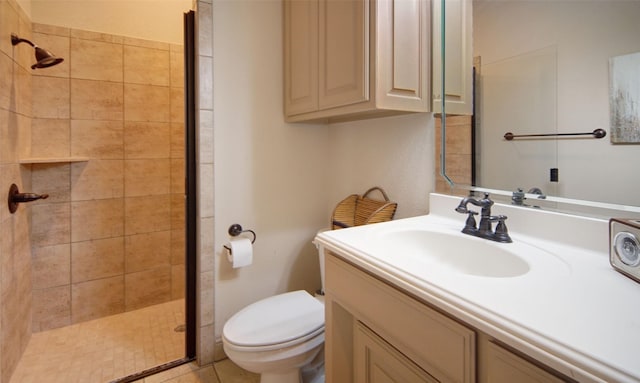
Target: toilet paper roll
[[241, 253]]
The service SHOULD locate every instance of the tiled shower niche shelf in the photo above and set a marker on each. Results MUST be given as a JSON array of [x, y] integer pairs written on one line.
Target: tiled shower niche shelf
[[52, 160]]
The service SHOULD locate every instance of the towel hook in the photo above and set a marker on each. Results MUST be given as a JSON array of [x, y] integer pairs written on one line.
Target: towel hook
[[235, 230]]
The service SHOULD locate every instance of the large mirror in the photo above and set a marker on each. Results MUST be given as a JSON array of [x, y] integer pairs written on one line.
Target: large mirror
[[556, 67]]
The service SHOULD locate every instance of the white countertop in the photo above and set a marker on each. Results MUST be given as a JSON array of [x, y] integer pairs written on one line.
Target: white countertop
[[571, 311]]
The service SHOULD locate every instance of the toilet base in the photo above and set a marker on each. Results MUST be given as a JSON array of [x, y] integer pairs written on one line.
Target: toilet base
[[281, 377]]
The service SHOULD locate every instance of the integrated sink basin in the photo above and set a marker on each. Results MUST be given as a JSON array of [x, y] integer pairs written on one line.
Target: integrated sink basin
[[457, 252], [449, 251]]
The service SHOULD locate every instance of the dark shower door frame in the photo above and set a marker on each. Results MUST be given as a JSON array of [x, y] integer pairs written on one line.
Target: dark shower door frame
[[190, 205]]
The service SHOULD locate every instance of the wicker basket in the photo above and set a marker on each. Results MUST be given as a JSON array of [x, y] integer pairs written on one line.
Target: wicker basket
[[356, 210]]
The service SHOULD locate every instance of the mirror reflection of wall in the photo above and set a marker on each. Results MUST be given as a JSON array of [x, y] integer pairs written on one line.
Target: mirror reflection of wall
[[574, 41]]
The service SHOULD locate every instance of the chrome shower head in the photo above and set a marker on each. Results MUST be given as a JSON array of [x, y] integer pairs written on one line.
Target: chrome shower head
[[44, 58]]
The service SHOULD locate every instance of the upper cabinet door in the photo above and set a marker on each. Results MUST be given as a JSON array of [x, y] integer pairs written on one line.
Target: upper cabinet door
[[403, 46], [354, 59], [344, 52], [458, 92], [301, 57]]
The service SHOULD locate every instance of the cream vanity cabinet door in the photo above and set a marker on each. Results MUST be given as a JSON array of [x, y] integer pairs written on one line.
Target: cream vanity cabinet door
[[499, 365], [376, 361], [350, 59], [377, 333], [458, 91]]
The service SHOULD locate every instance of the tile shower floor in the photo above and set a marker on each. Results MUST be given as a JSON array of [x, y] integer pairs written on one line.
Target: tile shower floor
[[104, 349]]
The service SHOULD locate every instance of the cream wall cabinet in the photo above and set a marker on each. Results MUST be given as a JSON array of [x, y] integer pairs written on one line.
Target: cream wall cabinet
[[458, 90], [377, 333], [351, 59]]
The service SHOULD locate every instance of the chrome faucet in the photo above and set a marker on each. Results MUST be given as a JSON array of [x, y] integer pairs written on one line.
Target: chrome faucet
[[484, 229]]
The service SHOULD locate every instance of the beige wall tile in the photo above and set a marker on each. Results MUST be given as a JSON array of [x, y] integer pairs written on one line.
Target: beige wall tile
[[96, 100], [23, 91], [205, 29], [97, 139], [7, 85], [146, 177], [96, 219], [207, 244], [177, 105], [8, 24], [50, 97], [177, 140], [50, 224], [146, 103], [146, 251], [52, 308], [205, 137], [177, 281], [205, 86], [51, 29], [146, 66], [96, 60], [51, 266], [146, 43], [87, 306], [96, 36], [147, 139], [206, 340], [147, 214], [9, 139], [97, 179], [205, 192], [51, 179], [177, 176], [178, 212], [178, 247], [100, 258], [206, 290], [147, 287], [176, 66], [50, 138]]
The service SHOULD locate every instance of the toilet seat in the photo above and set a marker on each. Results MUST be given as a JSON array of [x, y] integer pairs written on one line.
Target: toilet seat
[[279, 321]]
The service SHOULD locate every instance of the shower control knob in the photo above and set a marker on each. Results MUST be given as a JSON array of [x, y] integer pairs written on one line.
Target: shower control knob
[[15, 197]]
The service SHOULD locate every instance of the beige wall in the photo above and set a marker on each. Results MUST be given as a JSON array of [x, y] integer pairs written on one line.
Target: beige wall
[[270, 176], [111, 236], [396, 153], [283, 180], [15, 249]]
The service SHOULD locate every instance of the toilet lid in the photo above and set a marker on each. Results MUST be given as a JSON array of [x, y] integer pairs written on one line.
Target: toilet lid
[[277, 319]]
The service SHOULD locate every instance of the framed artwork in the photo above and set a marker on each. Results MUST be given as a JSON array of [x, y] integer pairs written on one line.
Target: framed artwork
[[624, 99]]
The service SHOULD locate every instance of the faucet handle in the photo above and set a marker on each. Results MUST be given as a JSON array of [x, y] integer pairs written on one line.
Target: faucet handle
[[502, 234], [470, 223]]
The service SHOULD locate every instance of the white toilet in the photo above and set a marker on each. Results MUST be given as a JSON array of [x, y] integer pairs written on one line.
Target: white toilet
[[280, 337]]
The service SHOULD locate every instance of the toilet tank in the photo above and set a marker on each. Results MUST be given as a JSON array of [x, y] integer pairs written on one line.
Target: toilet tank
[[321, 260]]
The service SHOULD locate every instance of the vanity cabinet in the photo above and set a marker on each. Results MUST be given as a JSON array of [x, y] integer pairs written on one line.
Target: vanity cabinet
[[350, 59], [376, 332], [499, 365], [458, 90], [372, 328]]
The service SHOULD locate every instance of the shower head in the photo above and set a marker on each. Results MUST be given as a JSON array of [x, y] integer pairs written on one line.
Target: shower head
[[44, 58]]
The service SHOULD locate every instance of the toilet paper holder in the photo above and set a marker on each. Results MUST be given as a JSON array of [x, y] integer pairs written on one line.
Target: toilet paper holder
[[235, 230]]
